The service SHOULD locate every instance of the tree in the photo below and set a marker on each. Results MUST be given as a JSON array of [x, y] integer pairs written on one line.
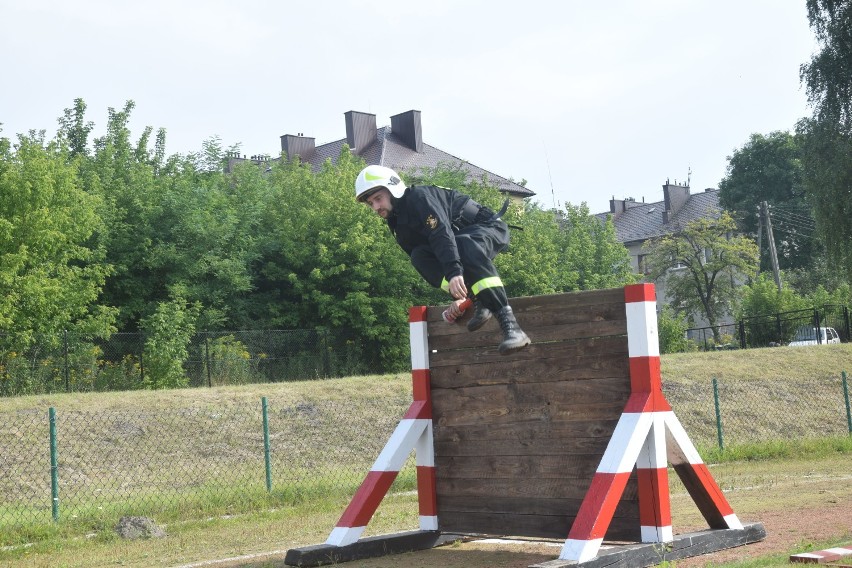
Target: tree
[[127, 190], [74, 130], [328, 261], [768, 168], [828, 178], [204, 239], [51, 275], [552, 251], [827, 134], [828, 76], [594, 256], [762, 297], [702, 266]]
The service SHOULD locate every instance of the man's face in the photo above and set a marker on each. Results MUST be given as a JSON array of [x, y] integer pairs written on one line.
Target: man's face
[[380, 202]]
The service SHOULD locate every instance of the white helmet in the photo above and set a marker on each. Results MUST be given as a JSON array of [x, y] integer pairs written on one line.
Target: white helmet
[[372, 178]]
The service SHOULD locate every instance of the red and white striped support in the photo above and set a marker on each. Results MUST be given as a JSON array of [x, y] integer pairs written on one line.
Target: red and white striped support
[[697, 479], [414, 432], [640, 439]]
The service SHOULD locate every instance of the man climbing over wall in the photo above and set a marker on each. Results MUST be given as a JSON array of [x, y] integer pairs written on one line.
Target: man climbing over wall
[[452, 242]]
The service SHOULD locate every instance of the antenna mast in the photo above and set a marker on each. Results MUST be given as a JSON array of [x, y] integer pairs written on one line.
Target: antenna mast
[[549, 175]]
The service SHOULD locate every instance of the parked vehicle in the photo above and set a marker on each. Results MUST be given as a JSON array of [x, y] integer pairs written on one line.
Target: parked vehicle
[[808, 336]]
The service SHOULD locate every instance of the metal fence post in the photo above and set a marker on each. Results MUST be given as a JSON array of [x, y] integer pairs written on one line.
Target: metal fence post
[[817, 325], [742, 335], [65, 349], [718, 414], [846, 397], [266, 456], [779, 335], [54, 466], [207, 358]]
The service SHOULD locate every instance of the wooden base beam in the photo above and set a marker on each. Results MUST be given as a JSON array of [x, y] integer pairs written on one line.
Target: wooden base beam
[[651, 554], [370, 547]]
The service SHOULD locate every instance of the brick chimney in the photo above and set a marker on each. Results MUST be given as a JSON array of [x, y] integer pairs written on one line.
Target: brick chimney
[[406, 126], [298, 145], [674, 196], [619, 206], [360, 130]]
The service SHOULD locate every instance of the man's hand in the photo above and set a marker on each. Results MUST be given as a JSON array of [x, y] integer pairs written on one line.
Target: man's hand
[[457, 288]]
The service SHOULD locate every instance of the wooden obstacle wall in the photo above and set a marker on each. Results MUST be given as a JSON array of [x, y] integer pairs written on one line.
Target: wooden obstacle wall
[[517, 439]]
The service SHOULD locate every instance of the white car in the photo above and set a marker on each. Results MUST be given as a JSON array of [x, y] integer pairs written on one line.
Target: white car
[[808, 336]]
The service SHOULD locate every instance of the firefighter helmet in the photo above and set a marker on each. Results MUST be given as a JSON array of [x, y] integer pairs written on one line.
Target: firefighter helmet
[[372, 178]]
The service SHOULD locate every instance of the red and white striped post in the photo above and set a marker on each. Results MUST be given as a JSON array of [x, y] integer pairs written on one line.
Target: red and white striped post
[[646, 385], [640, 439], [414, 432], [424, 449]]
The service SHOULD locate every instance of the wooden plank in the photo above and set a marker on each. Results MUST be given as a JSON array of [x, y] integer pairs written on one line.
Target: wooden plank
[[599, 392], [531, 506], [542, 526], [532, 305], [581, 360], [588, 448], [602, 399], [496, 488], [487, 352], [516, 467], [522, 432], [534, 319], [491, 333]]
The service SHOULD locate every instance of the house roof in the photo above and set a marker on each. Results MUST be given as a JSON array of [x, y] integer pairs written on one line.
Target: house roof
[[399, 146], [390, 151], [639, 222]]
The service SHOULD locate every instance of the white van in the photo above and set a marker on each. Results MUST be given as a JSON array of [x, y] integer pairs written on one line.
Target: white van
[[808, 336]]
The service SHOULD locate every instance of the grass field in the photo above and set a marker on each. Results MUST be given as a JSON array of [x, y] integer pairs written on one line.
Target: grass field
[[773, 472]]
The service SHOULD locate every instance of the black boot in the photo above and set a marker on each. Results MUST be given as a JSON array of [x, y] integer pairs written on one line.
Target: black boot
[[514, 337], [480, 316]]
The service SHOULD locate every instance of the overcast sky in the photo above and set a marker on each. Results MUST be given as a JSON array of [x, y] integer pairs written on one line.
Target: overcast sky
[[585, 100]]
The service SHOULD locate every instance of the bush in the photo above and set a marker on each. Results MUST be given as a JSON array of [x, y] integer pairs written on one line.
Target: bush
[[231, 363], [169, 329], [672, 332]]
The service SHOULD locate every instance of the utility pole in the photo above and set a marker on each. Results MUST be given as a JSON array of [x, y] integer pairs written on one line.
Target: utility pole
[[773, 254], [759, 237]]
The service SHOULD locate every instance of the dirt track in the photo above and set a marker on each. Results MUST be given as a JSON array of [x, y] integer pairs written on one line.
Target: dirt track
[[787, 531]]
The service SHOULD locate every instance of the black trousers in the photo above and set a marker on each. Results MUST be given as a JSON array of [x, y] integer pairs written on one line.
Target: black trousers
[[478, 245]]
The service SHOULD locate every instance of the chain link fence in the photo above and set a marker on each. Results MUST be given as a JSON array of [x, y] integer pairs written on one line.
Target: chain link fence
[[90, 465], [60, 465], [739, 412], [772, 330], [71, 363]]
